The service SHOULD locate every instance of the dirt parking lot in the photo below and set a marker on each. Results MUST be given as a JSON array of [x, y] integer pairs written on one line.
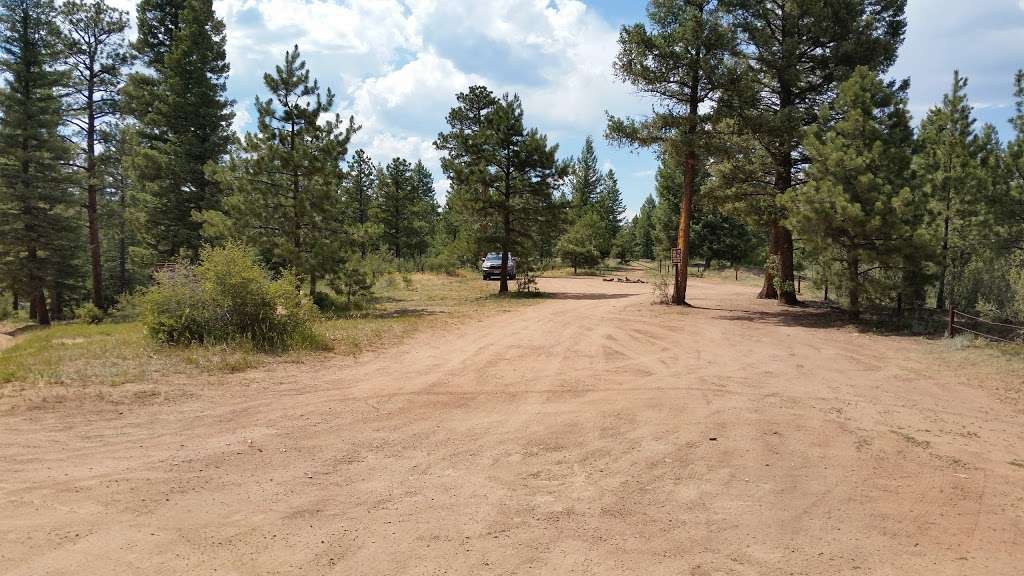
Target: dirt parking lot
[[591, 433]]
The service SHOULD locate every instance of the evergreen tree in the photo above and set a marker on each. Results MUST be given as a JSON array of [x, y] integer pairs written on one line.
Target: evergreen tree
[[796, 53], [585, 178], [359, 200], [949, 164], [668, 186], [507, 173], [97, 55], [38, 224], [624, 246], [284, 181], [184, 119], [119, 217], [857, 203], [645, 230], [581, 246], [406, 208], [610, 205], [683, 61], [720, 237]]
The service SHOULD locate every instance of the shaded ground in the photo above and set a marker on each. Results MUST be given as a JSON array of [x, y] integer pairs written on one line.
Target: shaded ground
[[587, 434]]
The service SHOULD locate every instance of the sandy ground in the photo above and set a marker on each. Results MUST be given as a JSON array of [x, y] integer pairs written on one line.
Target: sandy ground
[[593, 433]]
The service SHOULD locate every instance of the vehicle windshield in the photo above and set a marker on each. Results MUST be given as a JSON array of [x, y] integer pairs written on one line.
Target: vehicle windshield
[[493, 257]]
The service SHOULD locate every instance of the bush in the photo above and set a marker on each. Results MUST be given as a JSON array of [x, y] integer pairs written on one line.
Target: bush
[[228, 298], [89, 313], [125, 310]]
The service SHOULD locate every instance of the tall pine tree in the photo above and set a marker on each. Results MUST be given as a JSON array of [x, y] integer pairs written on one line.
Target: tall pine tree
[[796, 52], [285, 181], [38, 224], [857, 204], [506, 171], [184, 119], [585, 179], [682, 58], [96, 52]]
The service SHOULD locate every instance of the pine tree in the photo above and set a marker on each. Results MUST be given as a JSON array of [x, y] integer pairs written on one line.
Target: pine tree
[[683, 61], [581, 245], [585, 183], [507, 172], [184, 119], [948, 164], [857, 203], [359, 200], [425, 209], [118, 215], [284, 182], [38, 224], [668, 187], [399, 209], [796, 54], [97, 55], [610, 205], [645, 230]]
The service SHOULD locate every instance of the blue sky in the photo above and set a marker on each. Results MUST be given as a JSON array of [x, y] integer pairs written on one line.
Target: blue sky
[[397, 64]]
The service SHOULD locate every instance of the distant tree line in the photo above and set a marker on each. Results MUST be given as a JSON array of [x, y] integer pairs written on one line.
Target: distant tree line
[[780, 144]]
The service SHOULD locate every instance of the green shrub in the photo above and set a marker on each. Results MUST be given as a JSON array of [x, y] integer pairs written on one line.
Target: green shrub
[[228, 298], [90, 314], [126, 309]]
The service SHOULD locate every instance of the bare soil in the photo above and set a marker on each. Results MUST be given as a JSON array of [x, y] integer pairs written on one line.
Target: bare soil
[[591, 433]]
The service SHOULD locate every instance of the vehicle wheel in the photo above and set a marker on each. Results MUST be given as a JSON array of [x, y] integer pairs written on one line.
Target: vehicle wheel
[[486, 278]]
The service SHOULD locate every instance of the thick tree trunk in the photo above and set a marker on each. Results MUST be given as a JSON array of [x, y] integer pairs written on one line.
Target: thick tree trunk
[[683, 240], [787, 295], [42, 314]]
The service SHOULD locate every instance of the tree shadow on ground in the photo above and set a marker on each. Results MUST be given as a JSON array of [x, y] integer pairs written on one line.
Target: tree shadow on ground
[[817, 315], [588, 296], [399, 313]]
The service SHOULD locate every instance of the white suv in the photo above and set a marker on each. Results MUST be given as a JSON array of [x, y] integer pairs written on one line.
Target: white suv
[[490, 266]]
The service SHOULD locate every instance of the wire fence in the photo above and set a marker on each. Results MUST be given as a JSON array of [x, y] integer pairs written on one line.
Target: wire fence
[[998, 331]]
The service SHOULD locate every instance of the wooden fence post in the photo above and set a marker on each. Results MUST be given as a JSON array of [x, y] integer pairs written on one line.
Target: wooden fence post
[[951, 332]]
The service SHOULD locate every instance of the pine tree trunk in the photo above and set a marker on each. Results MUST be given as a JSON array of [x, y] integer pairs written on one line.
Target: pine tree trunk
[[122, 246], [42, 314], [940, 297], [683, 239], [507, 232], [787, 295], [853, 278], [92, 204]]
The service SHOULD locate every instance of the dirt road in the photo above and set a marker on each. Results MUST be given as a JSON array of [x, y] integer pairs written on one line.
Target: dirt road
[[591, 433]]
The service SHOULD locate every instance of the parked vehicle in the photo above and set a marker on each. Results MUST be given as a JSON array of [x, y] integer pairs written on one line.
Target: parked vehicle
[[490, 266]]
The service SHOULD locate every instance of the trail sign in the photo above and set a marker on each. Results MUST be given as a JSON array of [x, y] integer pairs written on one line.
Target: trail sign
[[677, 255]]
